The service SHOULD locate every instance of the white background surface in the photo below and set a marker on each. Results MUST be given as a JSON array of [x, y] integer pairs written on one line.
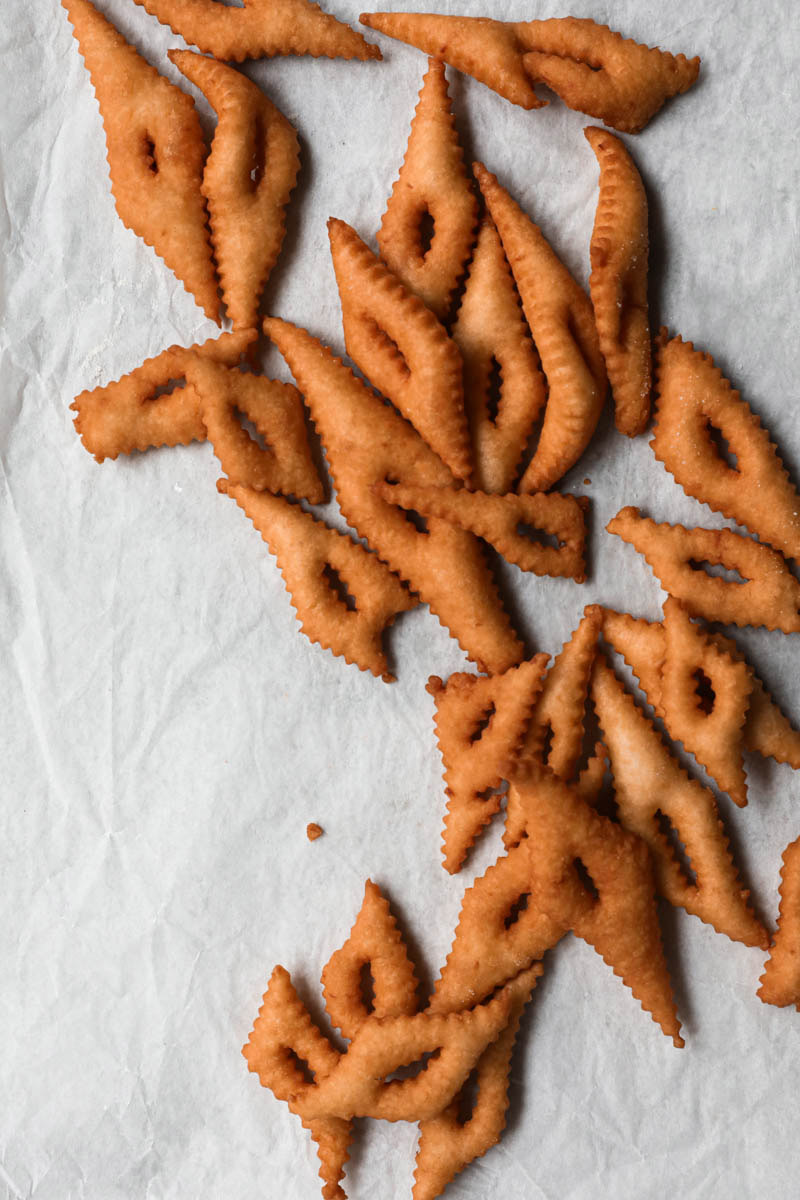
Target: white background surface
[[168, 733]]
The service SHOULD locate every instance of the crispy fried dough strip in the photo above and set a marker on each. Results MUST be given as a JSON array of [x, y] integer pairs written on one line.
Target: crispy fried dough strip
[[562, 323], [260, 29], [480, 724], [714, 737], [642, 644], [780, 983], [401, 348], [502, 520], [769, 596], [249, 176], [332, 1136], [446, 1145], [284, 1027], [694, 398], [621, 920], [491, 333], [618, 282], [649, 783], [590, 67], [488, 50], [560, 707], [155, 152], [128, 415], [599, 72], [590, 781], [767, 731], [497, 936], [284, 464], [432, 181], [558, 715], [317, 563], [374, 941], [358, 1084], [366, 443], [588, 786]]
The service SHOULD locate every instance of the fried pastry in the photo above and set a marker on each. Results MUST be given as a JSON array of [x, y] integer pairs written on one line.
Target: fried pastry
[[657, 800], [498, 351], [590, 781], [141, 410], [260, 28], [618, 283], [766, 592], [643, 645], [532, 896], [556, 728], [432, 186], [592, 68], [712, 732], [500, 932], [283, 464], [488, 50], [248, 178], [696, 402], [559, 711], [480, 724], [366, 443], [375, 943], [767, 731], [600, 72], [156, 152], [344, 596], [284, 1024], [401, 348], [283, 1033], [576, 852], [359, 1086], [447, 1143], [780, 983], [512, 524], [698, 684], [297, 1062], [560, 317]]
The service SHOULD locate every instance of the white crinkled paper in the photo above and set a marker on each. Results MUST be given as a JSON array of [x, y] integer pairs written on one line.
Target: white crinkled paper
[[168, 733]]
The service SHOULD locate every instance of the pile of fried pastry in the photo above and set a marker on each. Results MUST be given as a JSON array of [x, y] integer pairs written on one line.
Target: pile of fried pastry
[[484, 371]]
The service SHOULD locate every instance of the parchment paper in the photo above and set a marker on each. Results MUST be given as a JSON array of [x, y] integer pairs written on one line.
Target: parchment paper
[[168, 732]]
